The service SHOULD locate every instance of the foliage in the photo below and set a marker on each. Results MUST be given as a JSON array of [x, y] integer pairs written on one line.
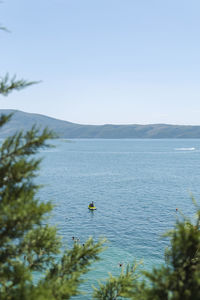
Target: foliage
[[27, 244], [7, 84], [178, 279], [125, 285]]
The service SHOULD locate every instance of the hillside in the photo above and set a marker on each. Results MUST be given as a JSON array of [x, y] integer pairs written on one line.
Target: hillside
[[24, 121]]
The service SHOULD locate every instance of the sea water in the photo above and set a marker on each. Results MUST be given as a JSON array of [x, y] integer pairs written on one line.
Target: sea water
[[136, 185]]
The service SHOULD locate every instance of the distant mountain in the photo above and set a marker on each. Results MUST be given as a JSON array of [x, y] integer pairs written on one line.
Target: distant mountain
[[23, 121]]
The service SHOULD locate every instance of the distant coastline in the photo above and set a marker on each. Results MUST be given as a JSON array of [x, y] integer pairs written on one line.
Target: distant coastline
[[64, 129]]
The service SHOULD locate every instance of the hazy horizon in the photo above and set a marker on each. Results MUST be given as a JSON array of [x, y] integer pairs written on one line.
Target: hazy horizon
[[35, 113]]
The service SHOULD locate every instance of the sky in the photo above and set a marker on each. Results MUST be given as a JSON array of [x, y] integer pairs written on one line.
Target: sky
[[104, 61]]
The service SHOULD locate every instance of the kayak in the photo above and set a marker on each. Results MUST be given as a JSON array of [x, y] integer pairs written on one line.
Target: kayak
[[92, 207]]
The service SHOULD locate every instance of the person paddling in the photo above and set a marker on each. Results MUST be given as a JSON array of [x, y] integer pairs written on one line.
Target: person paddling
[[91, 204]]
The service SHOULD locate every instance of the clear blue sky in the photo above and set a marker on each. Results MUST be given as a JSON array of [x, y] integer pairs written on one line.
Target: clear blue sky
[[104, 61]]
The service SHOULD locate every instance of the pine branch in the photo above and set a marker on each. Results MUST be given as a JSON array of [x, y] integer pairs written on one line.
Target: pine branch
[[4, 119], [40, 246], [20, 145], [7, 85], [125, 285], [64, 278]]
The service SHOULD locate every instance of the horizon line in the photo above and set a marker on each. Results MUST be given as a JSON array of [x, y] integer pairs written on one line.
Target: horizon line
[[104, 124]]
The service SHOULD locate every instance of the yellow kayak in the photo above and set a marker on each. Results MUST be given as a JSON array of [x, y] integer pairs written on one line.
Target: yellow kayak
[[92, 207]]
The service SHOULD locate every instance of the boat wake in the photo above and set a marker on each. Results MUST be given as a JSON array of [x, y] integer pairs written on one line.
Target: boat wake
[[185, 149]]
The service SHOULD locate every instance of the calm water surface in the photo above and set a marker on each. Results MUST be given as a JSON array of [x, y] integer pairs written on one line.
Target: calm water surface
[[136, 186]]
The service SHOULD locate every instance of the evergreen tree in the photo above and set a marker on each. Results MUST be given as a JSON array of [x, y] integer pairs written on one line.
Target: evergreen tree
[[177, 279], [27, 245]]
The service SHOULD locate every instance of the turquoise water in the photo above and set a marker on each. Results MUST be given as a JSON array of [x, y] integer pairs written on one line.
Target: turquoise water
[[136, 186]]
